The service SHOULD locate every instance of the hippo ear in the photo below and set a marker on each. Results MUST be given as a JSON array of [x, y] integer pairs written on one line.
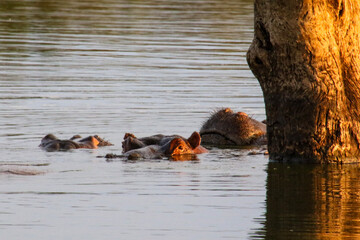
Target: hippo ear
[[194, 140], [75, 137], [129, 135], [94, 141]]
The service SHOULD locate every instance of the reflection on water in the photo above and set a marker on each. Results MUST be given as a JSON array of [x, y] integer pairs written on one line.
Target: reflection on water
[[312, 202], [109, 67], [90, 62]]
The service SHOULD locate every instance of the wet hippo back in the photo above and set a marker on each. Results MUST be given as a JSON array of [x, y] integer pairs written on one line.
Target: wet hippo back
[[225, 127], [57, 145]]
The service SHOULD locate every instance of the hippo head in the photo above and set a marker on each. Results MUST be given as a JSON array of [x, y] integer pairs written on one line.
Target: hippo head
[[180, 146], [89, 142], [225, 127], [47, 139]]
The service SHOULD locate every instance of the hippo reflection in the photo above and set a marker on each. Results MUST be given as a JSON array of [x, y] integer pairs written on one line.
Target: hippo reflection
[[158, 146], [225, 127], [52, 143]]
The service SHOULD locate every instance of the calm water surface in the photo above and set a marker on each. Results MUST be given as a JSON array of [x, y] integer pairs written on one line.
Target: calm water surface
[[146, 67]]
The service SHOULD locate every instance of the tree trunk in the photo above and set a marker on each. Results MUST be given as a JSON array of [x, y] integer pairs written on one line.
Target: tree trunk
[[306, 56]]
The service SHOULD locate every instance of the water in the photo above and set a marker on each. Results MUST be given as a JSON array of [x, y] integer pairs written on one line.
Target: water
[[146, 67]]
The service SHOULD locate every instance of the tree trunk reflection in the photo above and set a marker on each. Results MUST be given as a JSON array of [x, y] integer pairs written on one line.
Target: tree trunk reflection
[[312, 202]]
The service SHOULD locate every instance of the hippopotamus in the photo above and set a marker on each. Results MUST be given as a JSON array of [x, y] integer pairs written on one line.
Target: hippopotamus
[[102, 142], [52, 143], [158, 146], [226, 127]]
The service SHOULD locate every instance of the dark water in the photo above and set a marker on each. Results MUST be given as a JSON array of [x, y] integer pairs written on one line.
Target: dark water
[[111, 67]]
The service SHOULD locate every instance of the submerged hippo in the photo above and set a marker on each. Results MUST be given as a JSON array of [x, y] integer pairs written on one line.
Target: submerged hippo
[[158, 146], [225, 127], [52, 143]]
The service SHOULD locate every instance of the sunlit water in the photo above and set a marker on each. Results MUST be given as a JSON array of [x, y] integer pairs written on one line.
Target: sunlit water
[[146, 67]]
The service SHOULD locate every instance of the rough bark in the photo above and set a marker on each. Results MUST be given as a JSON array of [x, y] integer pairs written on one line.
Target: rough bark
[[305, 54]]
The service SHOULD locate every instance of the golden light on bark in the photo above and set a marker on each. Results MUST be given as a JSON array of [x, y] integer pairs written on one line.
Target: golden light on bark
[[305, 55]]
